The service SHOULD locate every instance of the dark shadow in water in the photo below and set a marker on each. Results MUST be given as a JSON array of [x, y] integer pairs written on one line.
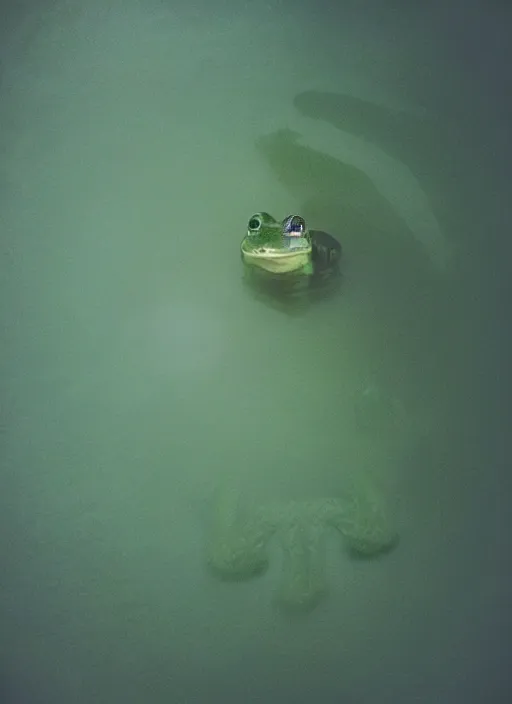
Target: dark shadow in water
[[398, 291], [343, 197], [434, 148]]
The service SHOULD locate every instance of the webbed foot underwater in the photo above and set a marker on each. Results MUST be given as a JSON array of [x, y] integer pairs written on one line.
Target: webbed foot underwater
[[239, 538]]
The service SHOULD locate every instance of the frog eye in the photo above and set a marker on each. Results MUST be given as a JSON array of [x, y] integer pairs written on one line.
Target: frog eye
[[254, 224], [294, 226]]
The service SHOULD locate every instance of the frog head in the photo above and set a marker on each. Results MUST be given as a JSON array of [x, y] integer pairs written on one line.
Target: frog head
[[277, 247]]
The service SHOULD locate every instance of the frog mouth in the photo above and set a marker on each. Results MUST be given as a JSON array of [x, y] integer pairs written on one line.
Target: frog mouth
[[277, 260]]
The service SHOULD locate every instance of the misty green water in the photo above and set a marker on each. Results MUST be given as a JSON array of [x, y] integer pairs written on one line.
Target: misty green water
[[139, 374]]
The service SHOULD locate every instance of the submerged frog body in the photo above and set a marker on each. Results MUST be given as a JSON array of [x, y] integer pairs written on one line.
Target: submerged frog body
[[286, 260]]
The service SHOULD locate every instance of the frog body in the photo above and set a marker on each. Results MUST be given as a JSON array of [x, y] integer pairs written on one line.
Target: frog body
[[284, 258]]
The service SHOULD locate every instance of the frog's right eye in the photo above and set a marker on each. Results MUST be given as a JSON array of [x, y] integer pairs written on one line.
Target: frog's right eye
[[254, 224]]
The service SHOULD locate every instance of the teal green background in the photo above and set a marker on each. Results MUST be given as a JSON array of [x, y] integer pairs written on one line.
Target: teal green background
[[138, 373]]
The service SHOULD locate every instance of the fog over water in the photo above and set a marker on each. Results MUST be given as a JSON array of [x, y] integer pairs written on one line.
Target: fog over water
[[148, 397]]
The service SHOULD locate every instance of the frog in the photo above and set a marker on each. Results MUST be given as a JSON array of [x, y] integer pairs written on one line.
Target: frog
[[287, 260]]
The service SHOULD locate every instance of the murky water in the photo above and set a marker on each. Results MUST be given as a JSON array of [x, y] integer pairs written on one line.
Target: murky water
[[139, 375]]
